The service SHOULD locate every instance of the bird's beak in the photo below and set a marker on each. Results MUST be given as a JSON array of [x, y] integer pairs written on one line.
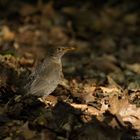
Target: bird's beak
[[70, 48]]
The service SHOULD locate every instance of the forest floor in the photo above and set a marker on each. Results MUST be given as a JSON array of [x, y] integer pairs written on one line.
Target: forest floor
[[102, 98]]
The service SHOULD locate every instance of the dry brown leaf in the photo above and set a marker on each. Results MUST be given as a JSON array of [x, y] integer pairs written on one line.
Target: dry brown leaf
[[57, 36], [134, 67], [49, 100], [48, 10], [131, 113], [26, 132], [106, 63], [7, 34], [9, 60], [116, 105], [108, 45], [110, 90], [112, 83], [86, 109], [26, 62], [27, 9], [88, 93], [126, 111]]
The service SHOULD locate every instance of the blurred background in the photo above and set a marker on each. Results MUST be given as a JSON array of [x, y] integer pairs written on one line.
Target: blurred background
[[106, 34]]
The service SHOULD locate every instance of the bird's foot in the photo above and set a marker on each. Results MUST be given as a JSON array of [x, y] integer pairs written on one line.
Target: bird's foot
[[64, 83]]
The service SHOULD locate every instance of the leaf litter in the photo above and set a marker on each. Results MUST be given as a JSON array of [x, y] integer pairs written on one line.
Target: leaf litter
[[100, 97]]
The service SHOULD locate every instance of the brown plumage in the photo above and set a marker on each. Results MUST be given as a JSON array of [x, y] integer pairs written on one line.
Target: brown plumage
[[47, 76]]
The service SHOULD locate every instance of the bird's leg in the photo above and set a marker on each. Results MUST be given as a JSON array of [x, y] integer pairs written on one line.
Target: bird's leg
[[42, 99], [64, 82]]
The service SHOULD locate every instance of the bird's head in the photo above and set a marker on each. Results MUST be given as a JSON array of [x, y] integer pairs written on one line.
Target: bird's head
[[59, 51]]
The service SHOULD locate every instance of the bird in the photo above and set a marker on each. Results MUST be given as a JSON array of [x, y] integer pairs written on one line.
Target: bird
[[48, 75]]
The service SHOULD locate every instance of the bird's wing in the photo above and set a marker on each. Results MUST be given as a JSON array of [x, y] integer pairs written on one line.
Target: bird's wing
[[47, 76]]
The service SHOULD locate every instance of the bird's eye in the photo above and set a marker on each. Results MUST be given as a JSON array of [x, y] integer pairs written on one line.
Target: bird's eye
[[59, 49]]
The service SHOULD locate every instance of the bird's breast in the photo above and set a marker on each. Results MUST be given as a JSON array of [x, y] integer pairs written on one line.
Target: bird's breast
[[46, 80]]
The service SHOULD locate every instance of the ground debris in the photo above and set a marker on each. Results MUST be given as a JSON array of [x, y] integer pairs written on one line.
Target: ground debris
[[100, 95]]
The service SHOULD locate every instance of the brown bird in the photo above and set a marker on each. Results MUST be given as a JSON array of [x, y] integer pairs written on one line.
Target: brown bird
[[47, 76]]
